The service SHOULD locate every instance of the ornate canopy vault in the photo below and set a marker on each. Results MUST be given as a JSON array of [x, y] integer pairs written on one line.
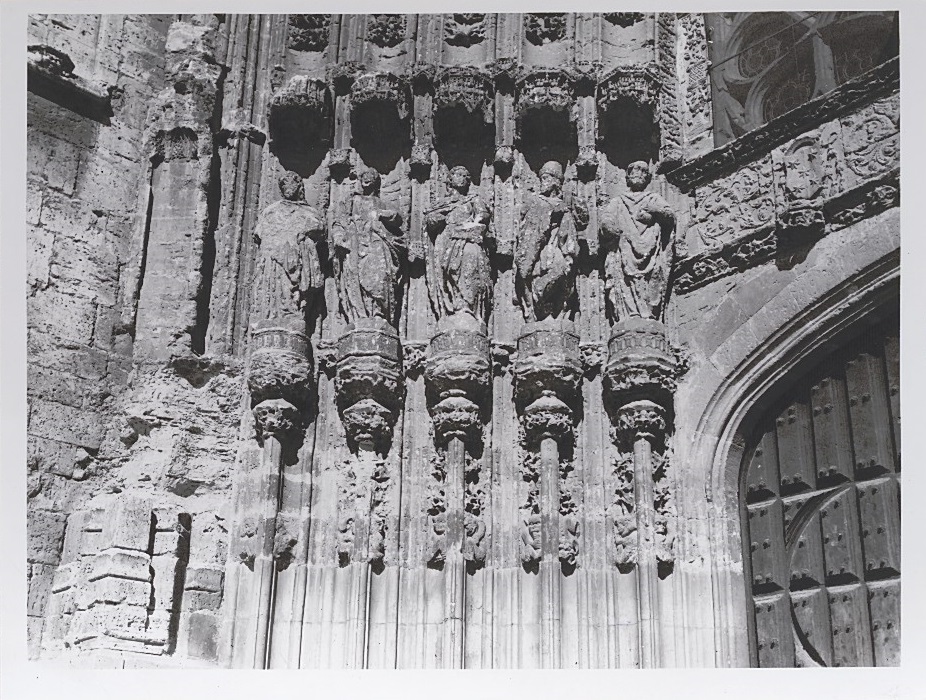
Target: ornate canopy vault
[[466, 284]]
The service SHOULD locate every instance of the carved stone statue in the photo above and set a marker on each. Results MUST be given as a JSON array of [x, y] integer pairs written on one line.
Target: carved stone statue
[[638, 230], [287, 272], [367, 247], [547, 247], [460, 278]]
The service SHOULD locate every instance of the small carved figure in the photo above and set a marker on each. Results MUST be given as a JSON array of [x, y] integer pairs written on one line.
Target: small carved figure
[[638, 230], [530, 538], [288, 272], [547, 247], [460, 278], [367, 247], [473, 548]]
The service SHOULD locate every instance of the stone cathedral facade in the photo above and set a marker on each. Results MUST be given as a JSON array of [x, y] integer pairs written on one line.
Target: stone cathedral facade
[[464, 340]]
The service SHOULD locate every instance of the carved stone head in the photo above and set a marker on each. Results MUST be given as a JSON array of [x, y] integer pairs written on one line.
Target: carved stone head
[[638, 176], [291, 187], [370, 181], [460, 178], [551, 177]]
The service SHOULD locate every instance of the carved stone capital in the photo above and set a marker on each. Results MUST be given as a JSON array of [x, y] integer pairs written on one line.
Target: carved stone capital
[[308, 32], [641, 363], [380, 88], [504, 160], [593, 356], [326, 356], [276, 418], [457, 376], [640, 419], [367, 381], [279, 366], [548, 362], [503, 354]]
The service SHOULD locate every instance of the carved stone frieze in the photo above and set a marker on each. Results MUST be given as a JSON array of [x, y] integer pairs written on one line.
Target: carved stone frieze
[[872, 138], [880, 81], [864, 201], [669, 111], [381, 88], [465, 29], [735, 205], [386, 31], [695, 81], [545, 27], [308, 32], [741, 254]]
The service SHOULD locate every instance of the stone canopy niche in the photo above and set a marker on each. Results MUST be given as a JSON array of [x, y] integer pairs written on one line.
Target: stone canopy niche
[[464, 117], [546, 117], [628, 125], [379, 118], [300, 121]]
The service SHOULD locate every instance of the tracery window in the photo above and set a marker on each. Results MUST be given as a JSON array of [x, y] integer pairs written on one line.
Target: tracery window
[[764, 64]]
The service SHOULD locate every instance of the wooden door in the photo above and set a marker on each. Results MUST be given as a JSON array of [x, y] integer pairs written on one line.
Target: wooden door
[[822, 513]]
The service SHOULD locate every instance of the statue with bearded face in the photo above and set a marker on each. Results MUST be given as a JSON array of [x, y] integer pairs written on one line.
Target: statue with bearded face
[[367, 247], [287, 272], [459, 275], [547, 247], [638, 232]]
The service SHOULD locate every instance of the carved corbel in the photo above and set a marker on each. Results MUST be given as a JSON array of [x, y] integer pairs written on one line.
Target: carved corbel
[[301, 110]]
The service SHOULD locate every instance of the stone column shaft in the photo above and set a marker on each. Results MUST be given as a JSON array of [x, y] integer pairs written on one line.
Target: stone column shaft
[[549, 564], [454, 566]]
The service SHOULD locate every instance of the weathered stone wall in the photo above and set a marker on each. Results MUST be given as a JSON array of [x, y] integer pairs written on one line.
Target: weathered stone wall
[[84, 177], [171, 525]]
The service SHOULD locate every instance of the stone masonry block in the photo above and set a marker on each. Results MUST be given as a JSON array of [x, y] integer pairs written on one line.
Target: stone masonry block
[[204, 578], [67, 317], [45, 532], [34, 632], [165, 576], [46, 350], [201, 600], [202, 636], [41, 577], [120, 591], [66, 577], [122, 564], [129, 524], [65, 423], [57, 386], [39, 248]]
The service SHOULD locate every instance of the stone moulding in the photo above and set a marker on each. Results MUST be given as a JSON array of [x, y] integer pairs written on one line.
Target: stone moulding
[[880, 81], [760, 246], [51, 75]]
